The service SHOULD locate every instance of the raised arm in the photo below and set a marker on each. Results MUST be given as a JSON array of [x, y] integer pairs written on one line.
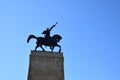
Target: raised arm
[[53, 26]]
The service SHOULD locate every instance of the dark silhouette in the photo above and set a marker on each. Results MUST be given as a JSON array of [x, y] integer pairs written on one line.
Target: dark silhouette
[[47, 40], [47, 31], [51, 42]]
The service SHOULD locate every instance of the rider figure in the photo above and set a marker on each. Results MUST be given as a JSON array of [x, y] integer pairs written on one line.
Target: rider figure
[[47, 31]]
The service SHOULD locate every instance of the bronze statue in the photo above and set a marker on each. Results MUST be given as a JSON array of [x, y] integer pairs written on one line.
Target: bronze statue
[[47, 40], [47, 31]]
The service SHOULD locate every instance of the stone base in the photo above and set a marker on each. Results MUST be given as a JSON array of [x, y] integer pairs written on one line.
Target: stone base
[[46, 66]]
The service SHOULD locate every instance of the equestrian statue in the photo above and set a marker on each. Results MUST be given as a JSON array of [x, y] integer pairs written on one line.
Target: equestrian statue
[[47, 40]]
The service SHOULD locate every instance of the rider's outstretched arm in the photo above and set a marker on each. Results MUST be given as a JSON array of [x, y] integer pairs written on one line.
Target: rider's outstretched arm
[[53, 26]]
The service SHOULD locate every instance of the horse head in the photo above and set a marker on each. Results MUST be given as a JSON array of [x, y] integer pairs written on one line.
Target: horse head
[[57, 37]]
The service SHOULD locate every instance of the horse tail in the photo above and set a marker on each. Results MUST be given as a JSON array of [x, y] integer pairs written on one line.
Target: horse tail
[[30, 37]]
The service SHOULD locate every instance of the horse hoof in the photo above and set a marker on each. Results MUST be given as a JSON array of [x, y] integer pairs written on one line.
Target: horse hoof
[[44, 50], [59, 51]]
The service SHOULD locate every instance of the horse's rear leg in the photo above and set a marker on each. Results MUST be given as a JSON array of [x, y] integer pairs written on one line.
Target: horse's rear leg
[[36, 47], [42, 48], [39, 45], [51, 47]]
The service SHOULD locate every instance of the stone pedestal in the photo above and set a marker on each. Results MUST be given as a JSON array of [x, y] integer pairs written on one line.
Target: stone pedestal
[[46, 66]]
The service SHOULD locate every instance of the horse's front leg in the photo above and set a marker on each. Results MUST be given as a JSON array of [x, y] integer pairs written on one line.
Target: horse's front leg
[[59, 48]]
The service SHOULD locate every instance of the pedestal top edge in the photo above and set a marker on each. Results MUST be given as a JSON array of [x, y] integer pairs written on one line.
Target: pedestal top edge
[[33, 52]]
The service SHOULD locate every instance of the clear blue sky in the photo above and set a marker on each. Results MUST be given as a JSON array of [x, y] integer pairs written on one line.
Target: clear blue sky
[[90, 31]]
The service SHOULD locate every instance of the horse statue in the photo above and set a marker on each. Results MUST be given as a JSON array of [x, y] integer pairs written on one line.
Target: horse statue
[[51, 42]]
